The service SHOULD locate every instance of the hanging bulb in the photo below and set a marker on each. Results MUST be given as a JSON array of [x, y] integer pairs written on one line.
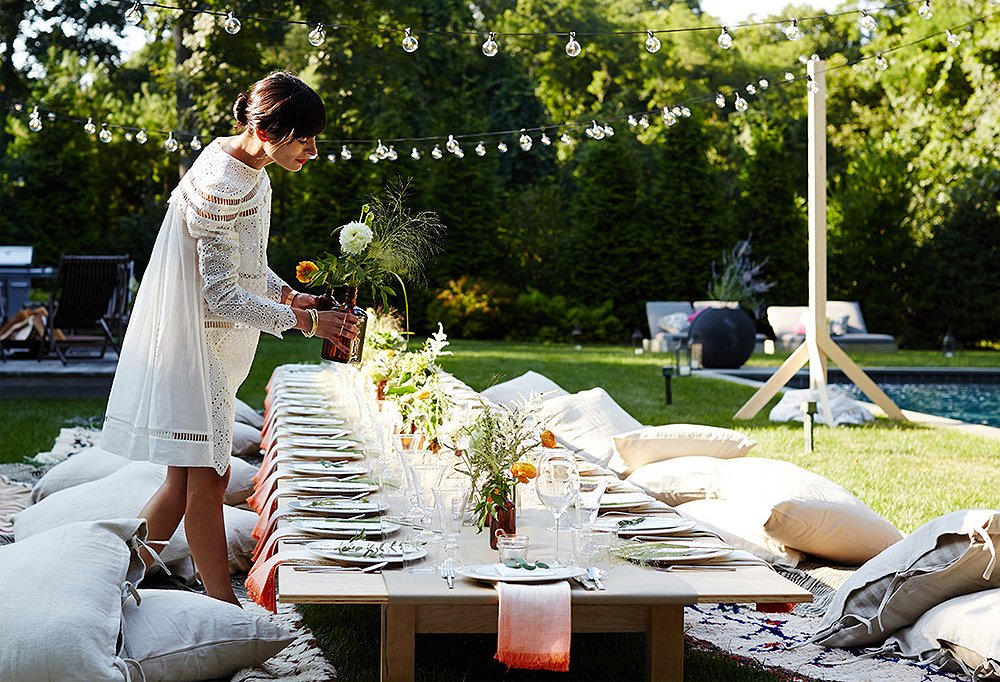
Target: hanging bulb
[[720, 101], [881, 63], [481, 149], [332, 158], [632, 121], [317, 35], [814, 57], [459, 154], [51, 116], [128, 135], [105, 134], [524, 141], [170, 144], [345, 153], [685, 112], [595, 131], [609, 131], [18, 106], [195, 144], [751, 89], [741, 104], [373, 157], [410, 42], [452, 144], [652, 43], [572, 47], [867, 21], [763, 84], [232, 25], [668, 117], [133, 15], [35, 121], [811, 85], [925, 10], [544, 139], [643, 122], [381, 150], [502, 147], [952, 39], [393, 154], [725, 40], [792, 31], [436, 152], [565, 138], [88, 127], [789, 76], [141, 137], [415, 154], [490, 47]]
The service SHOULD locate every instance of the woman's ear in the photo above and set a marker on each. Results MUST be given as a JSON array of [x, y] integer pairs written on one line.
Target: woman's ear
[[261, 135]]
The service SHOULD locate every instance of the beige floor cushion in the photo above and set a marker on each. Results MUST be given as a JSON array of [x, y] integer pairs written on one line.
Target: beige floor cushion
[[247, 415], [61, 594], [585, 422], [177, 636], [808, 512], [650, 444], [246, 439], [679, 480], [952, 555], [741, 524], [522, 388]]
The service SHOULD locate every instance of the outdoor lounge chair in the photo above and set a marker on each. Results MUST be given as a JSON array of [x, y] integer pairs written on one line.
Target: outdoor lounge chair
[[661, 340], [788, 323]]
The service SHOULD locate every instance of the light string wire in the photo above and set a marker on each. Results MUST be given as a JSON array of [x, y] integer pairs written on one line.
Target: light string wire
[[778, 81]]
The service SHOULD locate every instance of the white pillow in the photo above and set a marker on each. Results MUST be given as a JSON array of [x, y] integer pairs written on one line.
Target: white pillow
[[178, 636], [650, 444], [586, 421], [240, 485], [62, 594], [741, 524], [87, 465], [247, 415], [522, 387], [675, 323], [679, 480], [807, 511], [246, 439]]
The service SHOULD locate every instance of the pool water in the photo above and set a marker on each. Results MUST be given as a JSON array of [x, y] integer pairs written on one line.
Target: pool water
[[972, 403]]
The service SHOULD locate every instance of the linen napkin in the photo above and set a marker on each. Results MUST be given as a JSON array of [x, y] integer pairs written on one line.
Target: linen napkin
[[534, 626], [266, 465], [268, 518], [261, 579], [267, 545], [263, 493]]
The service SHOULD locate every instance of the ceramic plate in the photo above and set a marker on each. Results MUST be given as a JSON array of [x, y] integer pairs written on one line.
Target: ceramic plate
[[312, 430], [321, 442], [332, 486], [643, 525], [314, 453], [366, 551], [345, 528], [337, 506], [302, 420], [497, 573], [672, 552], [326, 468], [624, 500]]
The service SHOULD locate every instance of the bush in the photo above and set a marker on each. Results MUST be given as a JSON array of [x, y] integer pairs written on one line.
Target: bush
[[471, 308], [539, 317]]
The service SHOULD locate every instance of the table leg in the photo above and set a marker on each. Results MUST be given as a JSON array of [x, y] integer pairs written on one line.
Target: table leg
[[665, 643], [398, 640]]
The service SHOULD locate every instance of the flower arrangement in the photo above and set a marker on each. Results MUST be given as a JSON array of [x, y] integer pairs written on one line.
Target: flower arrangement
[[740, 279]]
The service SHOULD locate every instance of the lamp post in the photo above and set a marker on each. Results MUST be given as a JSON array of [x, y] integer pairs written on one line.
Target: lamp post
[[637, 342], [577, 335]]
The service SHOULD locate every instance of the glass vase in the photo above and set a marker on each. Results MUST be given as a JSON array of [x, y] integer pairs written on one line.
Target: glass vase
[[355, 347]]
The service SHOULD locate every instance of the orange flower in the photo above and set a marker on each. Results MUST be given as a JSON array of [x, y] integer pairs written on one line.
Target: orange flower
[[523, 471], [548, 439], [305, 270], [424, 395]]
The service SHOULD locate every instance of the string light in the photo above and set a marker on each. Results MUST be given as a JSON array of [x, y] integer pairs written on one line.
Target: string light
[[502, 147], [643, 122], [792, 31], [317, 36], [381, 150], [128, 136], [232, 25], [763, 84], [393, 154], [545, 139], [952, 39], [133, 15], [668, 117], [170, 144], [88, 127], [632, 121], [415, 154], [572, 47], [595, 131], [881, 63], [565, 138], [51, 116], [720, 101], [105, 134], [925, 10], [490, 47], [195, 144], [652, 43], [410, 42], [35, 120], [481, 149], [345, 153], [609, 131], [867, 22], [751, 89], [332, 158], [524, 141], [725, 40], [373, 157], [740, 104], [452, 144], [811, 85], [436, 152], [141, 137], [789, 76]]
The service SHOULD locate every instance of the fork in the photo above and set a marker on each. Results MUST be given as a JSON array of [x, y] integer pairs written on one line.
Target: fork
[[374, 568], [448, 573]]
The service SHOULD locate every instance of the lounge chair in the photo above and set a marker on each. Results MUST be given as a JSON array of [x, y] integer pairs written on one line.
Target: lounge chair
[[847, 327], [661, 340]]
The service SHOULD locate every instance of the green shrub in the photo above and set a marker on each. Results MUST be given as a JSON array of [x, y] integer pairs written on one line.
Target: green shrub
[[537, 316], [471, 308]]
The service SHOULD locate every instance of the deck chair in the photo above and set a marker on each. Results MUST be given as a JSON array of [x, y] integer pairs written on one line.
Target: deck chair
[[91, 294]]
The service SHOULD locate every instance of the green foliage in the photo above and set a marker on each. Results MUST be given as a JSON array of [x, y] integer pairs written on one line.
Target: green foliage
[[471, 307]]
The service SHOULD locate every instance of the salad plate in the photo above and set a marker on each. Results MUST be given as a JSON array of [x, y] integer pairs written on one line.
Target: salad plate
[[340, 467], [345, 528], [337, 506], [643, 525], [332, 486], [496, 573], [672, 552]]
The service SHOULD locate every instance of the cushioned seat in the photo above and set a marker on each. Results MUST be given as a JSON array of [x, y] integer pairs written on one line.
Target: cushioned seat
[[661, 340], [788, 323]]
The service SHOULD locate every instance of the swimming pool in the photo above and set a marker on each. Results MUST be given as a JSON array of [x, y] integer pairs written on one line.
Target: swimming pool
[[972, 403]]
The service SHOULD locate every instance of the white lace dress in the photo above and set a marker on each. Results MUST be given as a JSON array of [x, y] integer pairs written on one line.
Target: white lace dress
[[204, 299]]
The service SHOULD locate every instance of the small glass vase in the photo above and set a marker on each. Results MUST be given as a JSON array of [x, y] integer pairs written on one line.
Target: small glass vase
[[502, 517], [356, 346]]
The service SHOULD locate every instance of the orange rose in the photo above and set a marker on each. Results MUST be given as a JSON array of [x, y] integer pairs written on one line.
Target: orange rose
[[523, 472], [304, 271], [423, 395], [548, 439]]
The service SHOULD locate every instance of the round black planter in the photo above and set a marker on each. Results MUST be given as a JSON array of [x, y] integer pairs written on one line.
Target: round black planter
[[727, 337]]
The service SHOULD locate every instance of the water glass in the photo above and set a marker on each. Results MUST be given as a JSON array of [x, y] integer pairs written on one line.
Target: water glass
[[593, 548], [428, 542], [557, 486], [513, 547], [588, 504]]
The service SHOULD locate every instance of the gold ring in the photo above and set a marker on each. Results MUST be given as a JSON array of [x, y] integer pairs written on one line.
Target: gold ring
[[341, 332]]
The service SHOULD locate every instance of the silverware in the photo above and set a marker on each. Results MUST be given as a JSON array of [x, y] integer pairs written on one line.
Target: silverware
[[692, 567], [594, 573], [374, 568], [586, 584], [447, 571]]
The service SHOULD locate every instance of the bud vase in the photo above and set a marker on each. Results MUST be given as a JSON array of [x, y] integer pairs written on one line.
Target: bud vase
[[354, 346], [503, 516]]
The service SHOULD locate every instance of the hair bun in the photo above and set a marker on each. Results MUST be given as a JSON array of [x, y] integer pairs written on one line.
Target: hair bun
[[240, 108]]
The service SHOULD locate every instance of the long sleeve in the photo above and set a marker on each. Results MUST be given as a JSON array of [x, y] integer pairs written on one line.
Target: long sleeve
[[274, 285]]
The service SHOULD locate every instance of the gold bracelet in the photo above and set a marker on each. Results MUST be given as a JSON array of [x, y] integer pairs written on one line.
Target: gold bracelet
[[314, 316], [289, 298]]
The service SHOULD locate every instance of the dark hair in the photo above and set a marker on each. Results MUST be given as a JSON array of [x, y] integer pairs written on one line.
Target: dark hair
[[281, 106]]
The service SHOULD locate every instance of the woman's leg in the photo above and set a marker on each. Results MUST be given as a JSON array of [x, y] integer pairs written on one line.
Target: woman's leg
[[206, 530], [164, 510]]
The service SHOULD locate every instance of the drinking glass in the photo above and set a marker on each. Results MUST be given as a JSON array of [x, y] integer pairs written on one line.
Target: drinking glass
[[588, 503], [451, 500], [557, 486]]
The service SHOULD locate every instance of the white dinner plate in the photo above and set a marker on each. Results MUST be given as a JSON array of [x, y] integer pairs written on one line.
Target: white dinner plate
[[304, 420], [345, 528], [312, 431], [643, 525], [326, 468], [497, 573], [366, 551], [300, 410], [669, 552], [337, 506], [321, 443], [332, 486], [316, 453], [624, 500]]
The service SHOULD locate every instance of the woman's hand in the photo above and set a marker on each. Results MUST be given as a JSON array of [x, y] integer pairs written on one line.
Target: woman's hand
[[333, 325], [304, 301]]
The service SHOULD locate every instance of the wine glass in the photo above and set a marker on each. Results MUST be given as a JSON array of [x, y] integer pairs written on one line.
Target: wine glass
[[557, 486], [452, 500]]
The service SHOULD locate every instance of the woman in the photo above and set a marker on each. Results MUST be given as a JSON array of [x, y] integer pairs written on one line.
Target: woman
[[205, 297]]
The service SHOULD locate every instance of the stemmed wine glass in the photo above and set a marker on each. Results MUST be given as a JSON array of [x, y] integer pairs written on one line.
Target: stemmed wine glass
[[557, 486]]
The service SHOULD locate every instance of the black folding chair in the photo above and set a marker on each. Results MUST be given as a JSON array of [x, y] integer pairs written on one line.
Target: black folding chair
[[90, 293]]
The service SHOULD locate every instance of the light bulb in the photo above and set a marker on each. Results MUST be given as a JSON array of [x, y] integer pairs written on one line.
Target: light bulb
[[814, 57], [35, 121], [345, 153], [572, 47], [811, 85], [609, 131], [18, 106], [452, 144], [381, 150], [595, 131], [685, 112], [89, 127], [332, 158], [128, 135], [763, 84], [544, 139], [133, 15], [789, 76], [410, 42], [952, 39], [524, 141], [653, 44], [170, 144], [436, 152], [195, 143], [373, 157], [925, 10], [881, 63], [502, 147], [632, 121], [415, 154], [751, 88], [141, 137], [459, 154], [105, 134], [232, 25], [481, 149], [51, 116], [668, 117], [317, 35], [792, 31], [725, 40], [643, 122], [867, 21], [490, 47], [720, 101], [676, 111], [741, 104], [393, 154]]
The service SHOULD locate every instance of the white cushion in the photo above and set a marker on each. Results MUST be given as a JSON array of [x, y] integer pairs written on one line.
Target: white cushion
[[843, 408], [586, 421], [62, 594], [650, 444], [679, 480], [122, 495], [247, 415], [952, 555], [178, 636], [240, 485], [246, 439], [962, 634], [741, 524], [522, 387], [675, 323]]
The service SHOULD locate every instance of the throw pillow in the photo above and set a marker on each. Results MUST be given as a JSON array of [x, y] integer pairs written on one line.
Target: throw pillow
[[838, 326], [522, 387], [247, 415], [240, 485], [741, 524], [62, 594], [680, 480], [586, 421], [952, 555], [246, 439], [649, 444], [961, 635], [178, 636], [807, 511], [87, 465], [675, 323]]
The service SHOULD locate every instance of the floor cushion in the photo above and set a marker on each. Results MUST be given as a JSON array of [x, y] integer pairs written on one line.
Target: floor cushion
[[741, 524], [649, 444], [247, 415], [177, 636], [522, 387], [585, 423], [62, 593], [246, 439], [679, 480], [947, 557]]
